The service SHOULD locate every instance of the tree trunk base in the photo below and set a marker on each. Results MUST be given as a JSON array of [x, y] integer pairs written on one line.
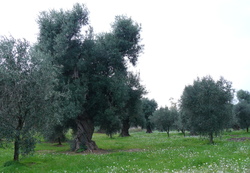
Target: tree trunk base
[[16, 149], [149, 130], [124, 134], [83, 140], [125, 128], [211, 139]]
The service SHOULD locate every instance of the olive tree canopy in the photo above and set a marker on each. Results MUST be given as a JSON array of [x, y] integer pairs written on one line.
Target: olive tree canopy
[[27, 96], [207, 103]]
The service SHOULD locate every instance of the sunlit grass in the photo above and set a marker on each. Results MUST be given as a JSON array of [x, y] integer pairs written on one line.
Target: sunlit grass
[[140, 152]]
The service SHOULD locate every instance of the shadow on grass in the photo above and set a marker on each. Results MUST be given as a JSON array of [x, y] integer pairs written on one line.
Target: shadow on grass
[[13, 163]]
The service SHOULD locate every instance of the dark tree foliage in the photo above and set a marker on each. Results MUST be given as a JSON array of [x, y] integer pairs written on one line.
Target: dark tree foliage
[[148, 108], [131, 113], [27, 96], [127, 34], [164, 119], [181, 122], [207, 103], [57, 134], [242, 109], [94, 68], [60, 36], [243, 96]]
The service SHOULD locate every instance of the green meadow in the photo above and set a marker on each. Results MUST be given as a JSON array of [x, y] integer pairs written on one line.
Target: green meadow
[[140, 152]]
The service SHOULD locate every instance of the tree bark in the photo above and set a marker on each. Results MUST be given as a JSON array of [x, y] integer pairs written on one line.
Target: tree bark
[[247, 129], [59, 141], [211, 138], [85, 130], [125, 128], [16, 148], [183, 132], [17, 139], [168, 131], [148, 126]]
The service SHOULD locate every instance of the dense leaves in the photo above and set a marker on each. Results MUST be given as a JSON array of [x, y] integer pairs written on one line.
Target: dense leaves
[[148, 108], [242, 109], [132, 111], [164, 118], [27, 96], [207, 103], [94, 70]]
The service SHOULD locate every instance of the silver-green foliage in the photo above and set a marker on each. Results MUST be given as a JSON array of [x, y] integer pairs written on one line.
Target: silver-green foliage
[[207, 105], [94, 68], [164, 118], [27, 94]]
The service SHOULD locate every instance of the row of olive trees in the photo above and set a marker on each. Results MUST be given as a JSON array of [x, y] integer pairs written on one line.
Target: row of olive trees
[[78, 80], [206, 108], [69, 79]]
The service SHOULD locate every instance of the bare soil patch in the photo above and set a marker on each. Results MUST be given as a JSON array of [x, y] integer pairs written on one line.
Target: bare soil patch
[[102, 151], [239, 139], [99, 151]]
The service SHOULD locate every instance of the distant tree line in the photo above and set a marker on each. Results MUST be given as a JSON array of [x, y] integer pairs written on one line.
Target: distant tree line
[[206, 108]]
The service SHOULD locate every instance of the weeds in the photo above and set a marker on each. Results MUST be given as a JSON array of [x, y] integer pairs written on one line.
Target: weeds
[[139, 153]]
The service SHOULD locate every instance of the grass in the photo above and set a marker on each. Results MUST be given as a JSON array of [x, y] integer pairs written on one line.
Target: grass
[[139, 153]]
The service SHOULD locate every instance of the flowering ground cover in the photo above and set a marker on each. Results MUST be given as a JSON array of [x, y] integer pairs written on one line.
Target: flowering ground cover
[[140, 152]]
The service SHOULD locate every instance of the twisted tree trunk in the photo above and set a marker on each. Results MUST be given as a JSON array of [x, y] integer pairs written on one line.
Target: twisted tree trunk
[[85, 130], [59, 141], [148, 127], [183, 132], [125, 128], [211, 138]]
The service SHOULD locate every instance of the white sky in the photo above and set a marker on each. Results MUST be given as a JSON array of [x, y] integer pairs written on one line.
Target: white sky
[[183, 38]]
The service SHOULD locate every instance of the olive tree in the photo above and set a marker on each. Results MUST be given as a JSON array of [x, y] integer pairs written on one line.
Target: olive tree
[[242, 109], [207, 104], [131, 112], [27, 96], [148, 108], [164, 118], [94, 68]]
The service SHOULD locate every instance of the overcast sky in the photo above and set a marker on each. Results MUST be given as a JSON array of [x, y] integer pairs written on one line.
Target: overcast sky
[[183, 39]]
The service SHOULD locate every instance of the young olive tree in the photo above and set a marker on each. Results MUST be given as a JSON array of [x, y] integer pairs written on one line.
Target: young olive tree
[[27, 96], [164, 118], [207, 104]]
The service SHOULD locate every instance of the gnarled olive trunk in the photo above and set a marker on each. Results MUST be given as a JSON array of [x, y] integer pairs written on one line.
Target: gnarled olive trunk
[[211, 138], [85, 130], [125, 128], [59, 141], [183, 132], [148, 127]]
